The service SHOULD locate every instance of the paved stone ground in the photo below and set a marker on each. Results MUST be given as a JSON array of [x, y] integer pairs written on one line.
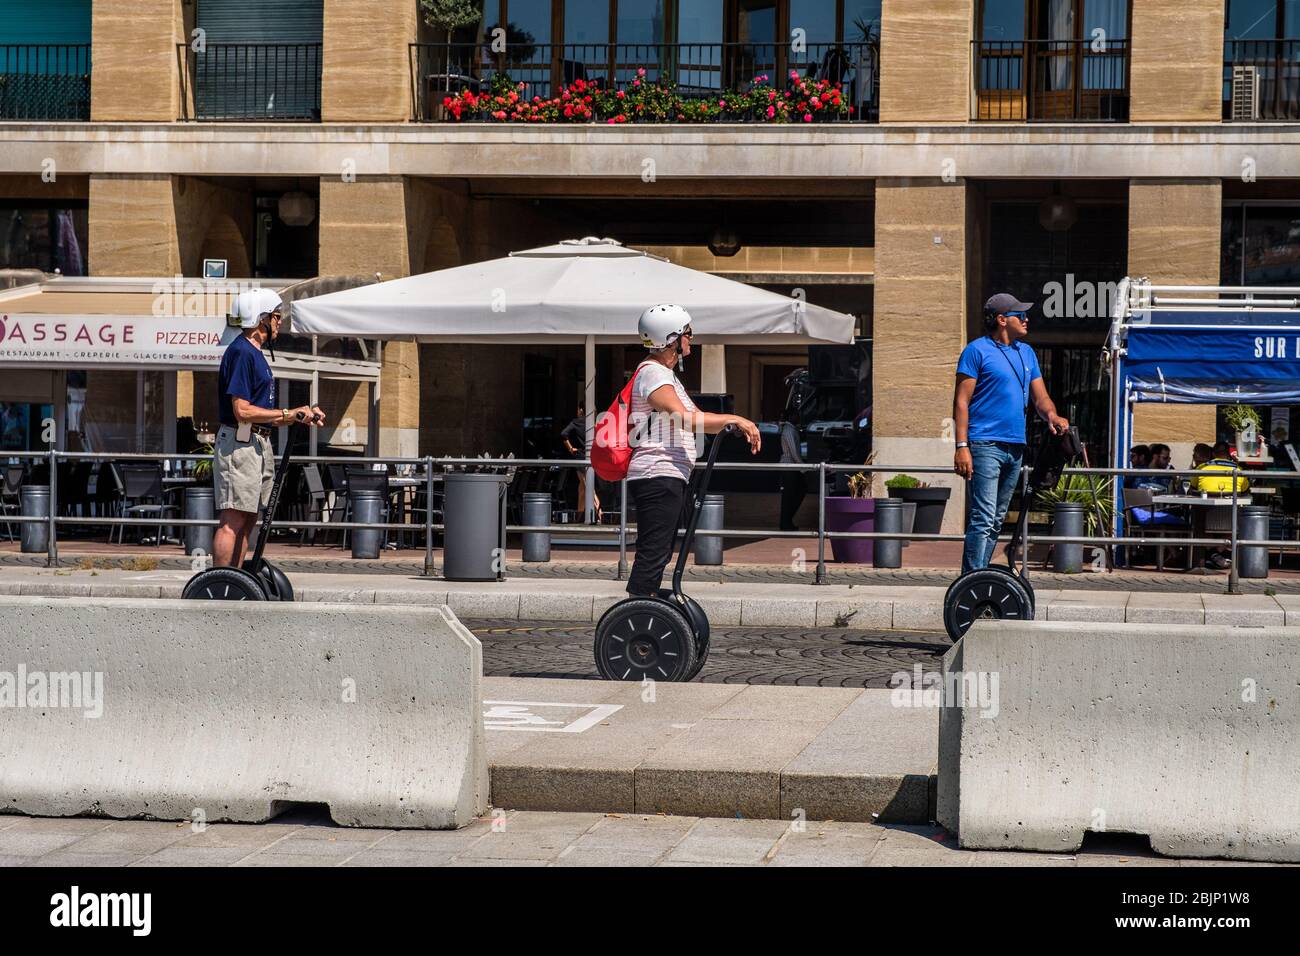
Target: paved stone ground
[[814, 657], [513, 838], [606, 570]]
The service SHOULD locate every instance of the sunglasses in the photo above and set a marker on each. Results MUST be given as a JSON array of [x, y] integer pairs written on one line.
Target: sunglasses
[[1016, 315]]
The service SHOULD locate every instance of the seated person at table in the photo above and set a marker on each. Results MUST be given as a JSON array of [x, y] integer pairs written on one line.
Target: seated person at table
[[1216, 459], [1139, 456], [1160, 455]]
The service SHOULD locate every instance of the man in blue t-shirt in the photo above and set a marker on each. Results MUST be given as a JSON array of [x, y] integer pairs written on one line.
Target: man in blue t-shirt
[[997, 377], [243, 464]]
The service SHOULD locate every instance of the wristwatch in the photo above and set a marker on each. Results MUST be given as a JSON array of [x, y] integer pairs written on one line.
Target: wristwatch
[[284, 413], [963, 444]]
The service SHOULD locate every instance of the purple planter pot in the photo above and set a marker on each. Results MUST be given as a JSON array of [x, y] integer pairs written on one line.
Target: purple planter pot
[[851, 514]]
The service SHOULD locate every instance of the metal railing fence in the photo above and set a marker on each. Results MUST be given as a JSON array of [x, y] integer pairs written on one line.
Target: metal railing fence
[[429, 470]]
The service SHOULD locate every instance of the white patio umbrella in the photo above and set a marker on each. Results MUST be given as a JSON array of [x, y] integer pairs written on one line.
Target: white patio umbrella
[[589, 291]]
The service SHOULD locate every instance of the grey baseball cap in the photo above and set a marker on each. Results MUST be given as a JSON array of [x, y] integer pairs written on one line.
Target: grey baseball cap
[[1005, 302]]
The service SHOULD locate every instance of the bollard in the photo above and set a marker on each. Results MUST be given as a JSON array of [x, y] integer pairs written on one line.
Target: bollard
[[1068, 522], [198, 507], [708, 549], [35, 503], [888, 553], [1252, 525], [537, 512], [367, 508]]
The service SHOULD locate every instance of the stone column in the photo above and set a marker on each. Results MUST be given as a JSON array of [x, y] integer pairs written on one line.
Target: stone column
[[1174, 237], [925, 49], [135, 75], [1177, 61], [365, 61], [919, 326]]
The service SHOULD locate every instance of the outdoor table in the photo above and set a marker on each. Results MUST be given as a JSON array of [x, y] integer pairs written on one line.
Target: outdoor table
[[1200, 510]]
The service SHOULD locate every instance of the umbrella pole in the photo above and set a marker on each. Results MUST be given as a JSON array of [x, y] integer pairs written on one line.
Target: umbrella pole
[[589, 399]]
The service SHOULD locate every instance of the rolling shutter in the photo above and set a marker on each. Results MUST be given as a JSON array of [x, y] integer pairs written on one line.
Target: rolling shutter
[[263, 59]]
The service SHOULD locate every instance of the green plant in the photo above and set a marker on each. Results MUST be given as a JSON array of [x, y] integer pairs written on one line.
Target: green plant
[[450, 15], [203, 467], [1095, 494], [904, 481], [860, 485], [1240, 417]]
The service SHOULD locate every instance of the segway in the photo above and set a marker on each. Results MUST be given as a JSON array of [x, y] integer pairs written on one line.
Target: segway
[[995, 592], [258, 579], [666, 637]]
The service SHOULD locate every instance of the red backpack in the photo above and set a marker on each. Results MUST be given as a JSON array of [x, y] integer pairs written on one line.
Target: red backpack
[[610, 452]]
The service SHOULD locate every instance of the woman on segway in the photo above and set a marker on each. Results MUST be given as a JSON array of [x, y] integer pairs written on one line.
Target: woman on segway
[[662, 423]]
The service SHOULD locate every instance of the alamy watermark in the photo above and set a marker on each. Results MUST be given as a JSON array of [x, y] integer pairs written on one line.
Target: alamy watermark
[[921, 688], [36, 689]]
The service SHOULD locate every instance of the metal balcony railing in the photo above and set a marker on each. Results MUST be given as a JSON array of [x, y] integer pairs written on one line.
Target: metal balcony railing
[[250, 81], [1051, 80], [698, 71], [1261, 80], [45, 81]]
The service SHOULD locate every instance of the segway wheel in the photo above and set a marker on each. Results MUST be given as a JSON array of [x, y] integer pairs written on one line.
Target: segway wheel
[[223, 584], [985, 594], [1029, 588], [644, 638]]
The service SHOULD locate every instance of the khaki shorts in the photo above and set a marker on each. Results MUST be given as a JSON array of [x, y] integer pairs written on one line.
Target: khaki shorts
[[242, 471]]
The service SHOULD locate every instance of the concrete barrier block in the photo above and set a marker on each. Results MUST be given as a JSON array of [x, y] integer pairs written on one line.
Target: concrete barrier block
[[1178, 732], [184, 710]]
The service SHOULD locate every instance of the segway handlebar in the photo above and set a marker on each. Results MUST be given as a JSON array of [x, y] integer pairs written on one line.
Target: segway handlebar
[[697, 504]]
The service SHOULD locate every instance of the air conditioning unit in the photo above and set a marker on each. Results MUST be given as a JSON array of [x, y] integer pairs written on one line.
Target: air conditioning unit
[[1245, 93]]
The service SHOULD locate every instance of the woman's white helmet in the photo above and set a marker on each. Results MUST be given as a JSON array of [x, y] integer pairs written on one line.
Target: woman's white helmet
[[661, 325]]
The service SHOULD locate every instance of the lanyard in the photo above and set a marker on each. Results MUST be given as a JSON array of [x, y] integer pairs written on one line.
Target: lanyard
[[1019, 378]]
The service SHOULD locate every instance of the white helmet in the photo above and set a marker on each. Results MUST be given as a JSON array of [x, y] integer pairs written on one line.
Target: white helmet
[[249, 306], [661, 325]]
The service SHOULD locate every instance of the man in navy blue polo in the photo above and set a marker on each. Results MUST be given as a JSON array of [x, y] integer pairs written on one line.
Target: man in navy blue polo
[[997, 378]]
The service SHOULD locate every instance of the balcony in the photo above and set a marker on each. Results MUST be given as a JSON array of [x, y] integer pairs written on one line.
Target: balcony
[[1261, 80], [231, 82], [1081, 81], [45, 81], [668, 82]]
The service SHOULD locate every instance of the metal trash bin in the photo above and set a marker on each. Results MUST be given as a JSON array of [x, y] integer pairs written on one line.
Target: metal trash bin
[[1068, 522], [537, 512], [368, 507], [474, 540], [198, 507], [1252, 525], [708, 549], [888, 552], [35, 503]]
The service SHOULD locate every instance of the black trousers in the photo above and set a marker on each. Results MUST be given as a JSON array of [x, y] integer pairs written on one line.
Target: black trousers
[[792, 492], [658, 503]]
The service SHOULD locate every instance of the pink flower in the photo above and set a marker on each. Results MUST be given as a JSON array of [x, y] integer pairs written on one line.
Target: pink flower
[[771, 96], [640, 71], [621, 95], [771, 111], [722, 104], [807, 117]]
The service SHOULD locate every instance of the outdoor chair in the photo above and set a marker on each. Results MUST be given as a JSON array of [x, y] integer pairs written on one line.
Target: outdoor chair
[[1145, 520], [142, 495], [10, 495], [322, 505]]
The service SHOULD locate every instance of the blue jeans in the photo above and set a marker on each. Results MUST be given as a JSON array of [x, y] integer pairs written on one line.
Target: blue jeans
[[988, 494]]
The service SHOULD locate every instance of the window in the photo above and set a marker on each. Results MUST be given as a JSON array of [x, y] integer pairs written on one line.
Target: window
[[1261, 244], [51, 238]]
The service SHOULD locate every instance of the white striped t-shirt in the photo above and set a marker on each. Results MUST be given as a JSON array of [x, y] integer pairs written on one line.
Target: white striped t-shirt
[[661, 446]]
